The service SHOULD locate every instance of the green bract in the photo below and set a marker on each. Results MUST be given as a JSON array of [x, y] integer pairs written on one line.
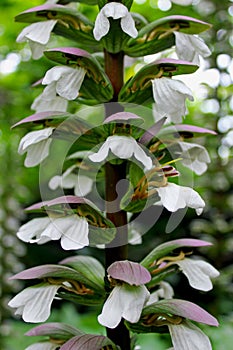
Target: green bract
[[159, 35], [168, 247], [138, 88], [96, 87], [101, 230], [70, 24]]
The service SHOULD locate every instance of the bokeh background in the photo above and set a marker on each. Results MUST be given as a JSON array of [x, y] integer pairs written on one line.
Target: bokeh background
[[19, 186]]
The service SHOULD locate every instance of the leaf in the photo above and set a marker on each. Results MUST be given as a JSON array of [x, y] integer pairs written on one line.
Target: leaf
[[67, 127], [88, 266], [138, 88], [166, 248], [62, 272], [133, 204], [89, 341], [70, 24], [159, 35], [184, 130], [96, 86], [182, 308], [83, 299], [55, 330], [135, 174], [150, 133], [172, 312]]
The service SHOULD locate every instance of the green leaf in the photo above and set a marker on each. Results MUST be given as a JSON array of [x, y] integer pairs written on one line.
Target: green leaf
[[138, 88], [89, 341], [159, 35], [87, 299], [70, 24], [168, 247], [55, 330], [96, 86], [133, 204], [160, 276], [115, 40], [135, 174], [89, 267]]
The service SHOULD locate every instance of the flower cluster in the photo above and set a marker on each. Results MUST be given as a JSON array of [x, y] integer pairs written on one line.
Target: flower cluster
[[135, 161]]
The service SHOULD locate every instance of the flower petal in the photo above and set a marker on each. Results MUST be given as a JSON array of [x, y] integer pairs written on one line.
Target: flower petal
[[124, 301], [68, 80], [198, 273], [42, 346], [83, 185], [48, 101], [165, 291], [123, 147], [189, 47], [174, 197], [188, 336], [37, 153], [70, 83], [75, 232], [194, 157], [33, 137], [116, 11], [32, 228], [169, 96], [38, 35], [38, 32], [102, 26], [112, 310], [128, 26], [34, 303]]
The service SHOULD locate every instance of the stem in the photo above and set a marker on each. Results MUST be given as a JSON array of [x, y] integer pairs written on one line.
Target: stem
[[118, 248]]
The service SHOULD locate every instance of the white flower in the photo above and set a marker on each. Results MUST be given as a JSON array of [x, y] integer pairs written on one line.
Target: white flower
[[36, 144], [124, 147], [194, 157], [49, 101], [188, 336], [67, 80], [198, 273], [189, 47], [38, 35], [165, 291], [34, 303], [174, 197], [134, 233], [116, 11], [124, 301], [169, 96], [72, 230], [42, 346], [82, 184]]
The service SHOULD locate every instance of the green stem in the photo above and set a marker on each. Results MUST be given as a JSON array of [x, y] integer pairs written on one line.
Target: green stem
[[118, 248]]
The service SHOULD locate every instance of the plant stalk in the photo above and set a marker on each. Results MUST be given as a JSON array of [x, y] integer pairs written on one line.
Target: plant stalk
[[114, 174]]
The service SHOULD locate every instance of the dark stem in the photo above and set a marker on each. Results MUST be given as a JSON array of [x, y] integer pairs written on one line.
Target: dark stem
[[114, 176]]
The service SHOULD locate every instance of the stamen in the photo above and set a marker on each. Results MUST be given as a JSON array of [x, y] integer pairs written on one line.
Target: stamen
[[161, 319]]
